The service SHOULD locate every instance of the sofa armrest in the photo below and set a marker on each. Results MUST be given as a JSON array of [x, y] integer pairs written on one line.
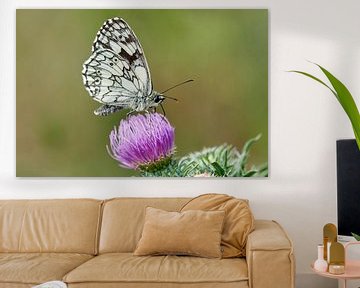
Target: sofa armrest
[[269, 256]]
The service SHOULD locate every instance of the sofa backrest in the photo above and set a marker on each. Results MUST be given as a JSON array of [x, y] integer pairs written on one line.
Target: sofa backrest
[[68, 226], [123, 220]]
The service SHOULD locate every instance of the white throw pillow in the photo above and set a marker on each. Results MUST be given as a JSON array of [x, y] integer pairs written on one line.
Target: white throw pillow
[[51, 284]]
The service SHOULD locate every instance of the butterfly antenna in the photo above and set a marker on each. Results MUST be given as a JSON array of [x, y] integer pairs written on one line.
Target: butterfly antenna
[[168, 97], [177, 85]]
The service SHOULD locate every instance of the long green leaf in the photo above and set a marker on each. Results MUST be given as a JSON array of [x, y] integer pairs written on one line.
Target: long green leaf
[[344, 97], [347, 102], [316, 79]]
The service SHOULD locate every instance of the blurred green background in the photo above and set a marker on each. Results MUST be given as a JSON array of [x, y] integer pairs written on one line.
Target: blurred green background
[[224, 51]]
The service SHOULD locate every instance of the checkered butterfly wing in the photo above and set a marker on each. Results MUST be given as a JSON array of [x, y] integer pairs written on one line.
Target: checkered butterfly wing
[[117, 74]]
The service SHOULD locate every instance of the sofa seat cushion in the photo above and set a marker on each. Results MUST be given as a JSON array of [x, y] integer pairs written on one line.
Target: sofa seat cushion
[[125, 267], [36, 268], [242, 284]]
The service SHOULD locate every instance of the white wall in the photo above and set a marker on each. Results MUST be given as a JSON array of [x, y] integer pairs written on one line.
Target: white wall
[[305, 120]]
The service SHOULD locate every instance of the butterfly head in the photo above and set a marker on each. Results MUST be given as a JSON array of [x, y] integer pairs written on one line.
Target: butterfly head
[[158, 98]]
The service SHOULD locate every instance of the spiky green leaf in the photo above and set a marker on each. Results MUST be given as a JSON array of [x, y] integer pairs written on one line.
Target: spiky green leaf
[[356, 236]]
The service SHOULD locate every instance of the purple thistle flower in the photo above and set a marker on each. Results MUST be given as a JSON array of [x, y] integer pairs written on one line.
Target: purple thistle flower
[[142, 140]]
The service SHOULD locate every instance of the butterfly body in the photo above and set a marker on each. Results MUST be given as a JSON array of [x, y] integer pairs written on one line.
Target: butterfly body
[[117, 74]]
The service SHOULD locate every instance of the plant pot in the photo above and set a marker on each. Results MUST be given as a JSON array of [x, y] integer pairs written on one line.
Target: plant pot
[[348, 187]]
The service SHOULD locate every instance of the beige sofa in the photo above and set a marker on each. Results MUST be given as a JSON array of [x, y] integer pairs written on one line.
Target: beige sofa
[[89, 243]]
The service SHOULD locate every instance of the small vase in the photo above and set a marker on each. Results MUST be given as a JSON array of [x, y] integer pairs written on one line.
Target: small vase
[[320, 264]]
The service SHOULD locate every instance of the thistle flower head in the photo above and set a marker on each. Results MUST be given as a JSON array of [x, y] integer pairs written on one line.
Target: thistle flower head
[[142, 141]]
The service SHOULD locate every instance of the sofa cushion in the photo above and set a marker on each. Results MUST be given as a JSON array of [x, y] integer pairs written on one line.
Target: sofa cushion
[[63, 226], [193, 232], [36, 268], [236, 284], [127, 268], [15, 285], [123, 220], [238, 223]]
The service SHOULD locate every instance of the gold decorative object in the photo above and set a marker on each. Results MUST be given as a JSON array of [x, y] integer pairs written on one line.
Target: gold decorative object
[[337, 258], [336, 269], [337, 253], [330, 236]]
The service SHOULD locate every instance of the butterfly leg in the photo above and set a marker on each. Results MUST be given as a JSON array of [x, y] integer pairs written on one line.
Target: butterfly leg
[[162, 108], [130, 113], [106, 109]]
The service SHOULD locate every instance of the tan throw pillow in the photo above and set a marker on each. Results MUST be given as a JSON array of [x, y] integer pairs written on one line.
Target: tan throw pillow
[[196, 233], [239, 220]]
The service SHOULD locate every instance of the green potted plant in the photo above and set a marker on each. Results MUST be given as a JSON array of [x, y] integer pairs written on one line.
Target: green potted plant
[[348, 183], [344, 97]]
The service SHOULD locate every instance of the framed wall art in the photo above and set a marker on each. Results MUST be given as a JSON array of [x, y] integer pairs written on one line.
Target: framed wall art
[[120, 93]]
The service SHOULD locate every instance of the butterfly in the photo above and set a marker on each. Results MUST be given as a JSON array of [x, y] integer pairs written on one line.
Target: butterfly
[[117, 74]]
